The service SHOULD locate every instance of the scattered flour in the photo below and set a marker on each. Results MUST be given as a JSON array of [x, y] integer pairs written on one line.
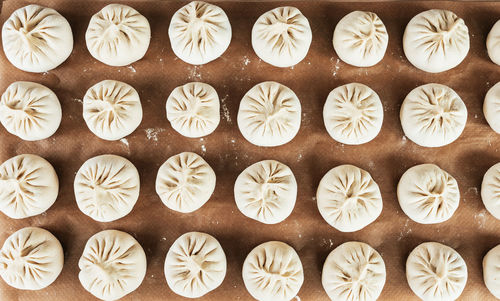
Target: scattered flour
[[328, 242], [404, 140], [225, 110], [405, 231], [194, 73], [480, 218], [246, 60], [124, 141], [131, 68], [78, 100], [299, 157], [152, 133], [203, 148], [336, 67]]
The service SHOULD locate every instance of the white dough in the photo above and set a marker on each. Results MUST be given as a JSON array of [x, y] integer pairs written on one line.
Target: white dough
[[185, 182], [353, 114], [436, 40], [106, 187], [427, 194], [491, 271], [193, 109], [433, 115], [31, 259], [118, 35], [112, 109], [269, 114], [360, 39], [199, 32], [493, 43], [36, 38], [436, 272], [195, 265], [491, 107], [353, 271], [30, 111], [490, 190], [113, 264], [282, 36], [273, 271], [28, 186], [266, 191]]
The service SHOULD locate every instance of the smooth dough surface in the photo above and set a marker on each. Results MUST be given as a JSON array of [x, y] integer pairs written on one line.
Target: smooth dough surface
[[112, 109], [118, 35], [30, 111], [266, 191], [31, 259], [491, 271], [199, 32], [491, 107], [107, 187], [195, 265], [493, 43], [113, 264], [269, 114], [427, 194], [436, 40], [490, 190], [436, 272], [360, 39], [273, 271], [433, 115], [185, 182], [354, 271], [353, 114], [193, 109], [28, 186], [348, 198], [282, 36]]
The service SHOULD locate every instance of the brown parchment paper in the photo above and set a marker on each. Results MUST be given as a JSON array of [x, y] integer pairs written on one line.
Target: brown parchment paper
[[472, 231]]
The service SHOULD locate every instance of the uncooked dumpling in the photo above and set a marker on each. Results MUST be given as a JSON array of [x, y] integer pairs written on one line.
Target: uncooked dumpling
[[436, 272], [491, 107], [433, 115], [282, 36], [353, 114], [269, 114], [354, 271], [490, 190], [348, 198], [185, 182], [118, 35], [436, 40], [30, 111], [195, 265], [360, 39], [31, 259], [193, 109], [266, 191], [199, 32], [36, 38], [28, 186], [113, 264], [112, 109], [273, 272], [493, 43], [106, 187], [491, 271]]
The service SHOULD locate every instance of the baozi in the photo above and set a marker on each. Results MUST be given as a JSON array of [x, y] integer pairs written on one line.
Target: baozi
[[490, 190], [491, 271], [493, 43], [491, 107]]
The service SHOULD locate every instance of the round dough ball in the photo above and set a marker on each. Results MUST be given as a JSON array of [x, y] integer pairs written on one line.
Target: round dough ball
[[118, 35], [112, 109], [36, 38], [436, 272], [491, 271], [353, 114], [436, 40], [30, 111], [427, 194], [193, 109], [269, 114], [282, 36], [273, 271], [107, 187], [348, 198], [266, 191], [199, 32], [195, 265], [491, 107], [28, 186], [31, 259], [185, 182], [490, 190], [493, 43], [353, 271], [433, 115], [360, 39], [113, 264]]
